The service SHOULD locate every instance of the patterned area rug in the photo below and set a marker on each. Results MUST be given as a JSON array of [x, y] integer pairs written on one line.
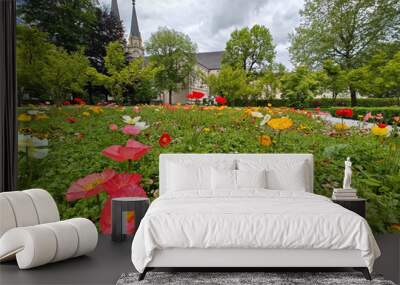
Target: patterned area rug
[[243, 278]]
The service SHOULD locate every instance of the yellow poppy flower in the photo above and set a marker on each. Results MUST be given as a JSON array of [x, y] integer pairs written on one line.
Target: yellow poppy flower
[[381, 132], [96, 109], [41, 117], [248, 111], [341, 127], [280, 123], [265, 140], [86, 114], [206, 130], [24, 118]]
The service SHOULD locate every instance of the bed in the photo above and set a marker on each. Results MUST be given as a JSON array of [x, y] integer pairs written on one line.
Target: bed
[[245, 211]]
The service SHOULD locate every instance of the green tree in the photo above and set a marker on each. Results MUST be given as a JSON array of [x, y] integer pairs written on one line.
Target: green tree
[[269, 84], [115, 59], [32, 51], [68, 23], [115, 62], [343, 31], [174, 53], [250, 49], [106, 30], [139, 81], [229, 83], [300, 85], [380, 77], [133, 81], [65, 74], [334, 78]]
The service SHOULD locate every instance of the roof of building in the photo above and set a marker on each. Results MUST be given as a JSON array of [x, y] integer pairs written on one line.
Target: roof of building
[[210, 60]]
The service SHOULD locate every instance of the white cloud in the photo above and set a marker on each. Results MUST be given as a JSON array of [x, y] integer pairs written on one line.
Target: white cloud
[[210, 22]]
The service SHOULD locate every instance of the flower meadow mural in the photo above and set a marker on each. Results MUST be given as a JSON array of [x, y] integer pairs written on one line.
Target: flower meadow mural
[[87, 155]]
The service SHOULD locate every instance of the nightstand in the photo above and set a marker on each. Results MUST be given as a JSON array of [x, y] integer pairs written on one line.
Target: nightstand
[[355, 205], [121, 209]]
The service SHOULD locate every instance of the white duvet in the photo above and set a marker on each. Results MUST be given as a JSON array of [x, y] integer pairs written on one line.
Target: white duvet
[[253, 218]]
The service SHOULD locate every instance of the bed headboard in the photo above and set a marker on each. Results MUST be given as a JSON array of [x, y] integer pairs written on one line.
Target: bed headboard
[[212, 158]]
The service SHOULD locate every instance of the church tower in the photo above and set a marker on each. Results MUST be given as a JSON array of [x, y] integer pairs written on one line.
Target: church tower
[[114, 9], [135, 44]]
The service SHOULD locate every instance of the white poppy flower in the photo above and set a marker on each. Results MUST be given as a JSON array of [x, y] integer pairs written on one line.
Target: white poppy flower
[[39, 153], [141, 125], [129, 120], [265, 120], [257, 114], [33, 145]]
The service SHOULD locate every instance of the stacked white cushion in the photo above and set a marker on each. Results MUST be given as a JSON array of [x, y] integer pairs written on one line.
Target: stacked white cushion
[[31, 246], [7, 218], [24, 210], [87, 235], [31, 232], [45, 205]]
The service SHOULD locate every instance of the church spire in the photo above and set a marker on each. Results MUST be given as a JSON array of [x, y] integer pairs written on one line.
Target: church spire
[[134, 22], [114, 9], [135, 45]]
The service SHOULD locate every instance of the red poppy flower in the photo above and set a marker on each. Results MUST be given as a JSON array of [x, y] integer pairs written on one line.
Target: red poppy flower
[[66, 103], [196, 95], [382, 125], [113, 127], [165, 140], [131, 130], [71, 120], [347, 113], [89, 186], [170, 107], [120, 185], [220, 100], [132, 151], [79, 101], [121, 182]]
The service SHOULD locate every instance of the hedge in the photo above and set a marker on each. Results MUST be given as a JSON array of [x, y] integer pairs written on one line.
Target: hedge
[[321, 102], [388, 112]]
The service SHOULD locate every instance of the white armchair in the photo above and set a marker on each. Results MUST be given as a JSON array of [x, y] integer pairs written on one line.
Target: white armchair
[[31, 231]]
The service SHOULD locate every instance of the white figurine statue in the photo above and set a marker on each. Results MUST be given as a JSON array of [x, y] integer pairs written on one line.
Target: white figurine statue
[[347, 174]]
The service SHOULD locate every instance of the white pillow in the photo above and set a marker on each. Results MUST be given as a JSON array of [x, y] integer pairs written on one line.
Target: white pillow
[[281, 175], [251, 178], [291, 180], [183, 177], [223, 179]]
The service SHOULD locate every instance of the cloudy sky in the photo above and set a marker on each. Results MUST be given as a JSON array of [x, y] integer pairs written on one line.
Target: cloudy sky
[[210, 22]]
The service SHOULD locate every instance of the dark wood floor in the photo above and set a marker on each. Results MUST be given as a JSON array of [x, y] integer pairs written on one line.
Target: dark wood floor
[[103, 266], [110, 259]]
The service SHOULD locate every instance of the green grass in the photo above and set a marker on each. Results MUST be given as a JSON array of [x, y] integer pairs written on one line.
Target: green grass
[[75, 152]]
